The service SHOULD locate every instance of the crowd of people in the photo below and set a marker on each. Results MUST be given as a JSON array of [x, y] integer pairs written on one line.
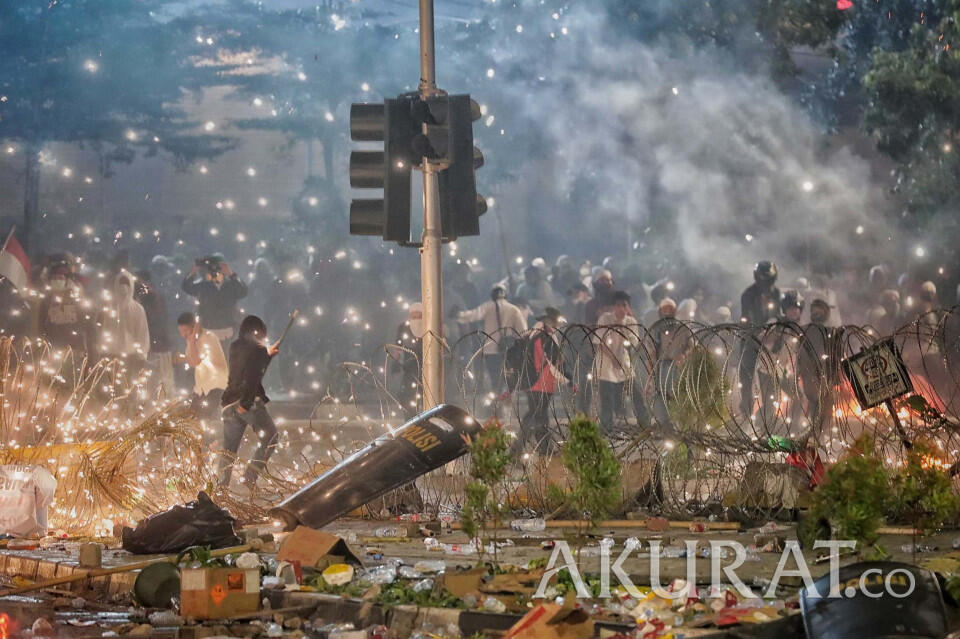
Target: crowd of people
[[116, 310]]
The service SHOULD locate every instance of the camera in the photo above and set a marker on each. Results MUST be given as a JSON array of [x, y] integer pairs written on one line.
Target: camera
[[211, 263]]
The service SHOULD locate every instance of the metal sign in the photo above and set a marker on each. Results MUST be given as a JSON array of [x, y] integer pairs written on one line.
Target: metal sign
[[877, 374]]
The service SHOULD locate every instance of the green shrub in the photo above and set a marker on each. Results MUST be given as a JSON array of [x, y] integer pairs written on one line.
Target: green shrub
[[486, 499], [594, 472], [922, 492], [851, 501]]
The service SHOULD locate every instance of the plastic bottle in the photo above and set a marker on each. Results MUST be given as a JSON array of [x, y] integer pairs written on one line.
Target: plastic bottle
[[529, 525]]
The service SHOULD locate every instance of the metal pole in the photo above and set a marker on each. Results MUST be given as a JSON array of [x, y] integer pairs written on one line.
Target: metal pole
[[431, 278]]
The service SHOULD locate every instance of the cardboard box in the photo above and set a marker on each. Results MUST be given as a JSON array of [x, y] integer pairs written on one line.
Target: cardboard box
[[215, 593], [310, 547], [552, 621]]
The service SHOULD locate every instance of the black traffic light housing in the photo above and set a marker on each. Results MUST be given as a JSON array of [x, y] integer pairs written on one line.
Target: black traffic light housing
[[392, 123], [439, 128]]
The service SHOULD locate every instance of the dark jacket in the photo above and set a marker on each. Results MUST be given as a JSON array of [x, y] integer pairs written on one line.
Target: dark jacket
[[248, 362], [218, 304], [156, 311], [759, 305]]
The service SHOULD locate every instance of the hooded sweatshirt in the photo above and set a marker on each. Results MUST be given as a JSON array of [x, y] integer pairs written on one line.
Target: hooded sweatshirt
[[126, 331]]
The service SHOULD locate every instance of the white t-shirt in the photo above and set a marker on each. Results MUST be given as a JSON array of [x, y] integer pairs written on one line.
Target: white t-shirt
[[612, 341], [212, 371]]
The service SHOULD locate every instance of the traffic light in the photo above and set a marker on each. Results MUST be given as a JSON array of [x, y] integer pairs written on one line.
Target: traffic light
[[393, 124], [448, 139], [439, 128]]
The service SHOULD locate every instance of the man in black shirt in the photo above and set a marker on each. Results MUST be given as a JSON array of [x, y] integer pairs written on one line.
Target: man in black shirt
[[244, 401], [217, 291]]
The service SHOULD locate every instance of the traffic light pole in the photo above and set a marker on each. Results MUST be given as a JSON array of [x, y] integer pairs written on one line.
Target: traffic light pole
[[431, 279]]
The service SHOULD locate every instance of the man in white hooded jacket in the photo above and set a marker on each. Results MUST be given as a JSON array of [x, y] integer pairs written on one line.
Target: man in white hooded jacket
[[125, 331]]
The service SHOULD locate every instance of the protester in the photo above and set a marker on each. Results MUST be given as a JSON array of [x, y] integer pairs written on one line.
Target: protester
[[204, 355], [244, 401], [602, 297], [547, 375], [672, 342], [536, 289], [159, 357], [126, 332], [64, 320], [502, 323], [759, 304], [617, 335], [217, 290]]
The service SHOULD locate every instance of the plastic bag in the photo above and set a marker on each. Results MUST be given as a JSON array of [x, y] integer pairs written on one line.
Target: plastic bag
[[198, 523]]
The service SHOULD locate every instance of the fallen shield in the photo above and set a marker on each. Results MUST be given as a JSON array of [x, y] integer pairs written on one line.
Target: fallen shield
[[428, 441], [877, 599]]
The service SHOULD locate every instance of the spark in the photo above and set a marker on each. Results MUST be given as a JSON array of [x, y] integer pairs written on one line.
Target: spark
[[252, 172], [210, 125], [807, 186], [91, 66], [262, 201]]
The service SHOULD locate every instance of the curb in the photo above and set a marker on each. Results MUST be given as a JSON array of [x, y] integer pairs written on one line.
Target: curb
[[37, 569]]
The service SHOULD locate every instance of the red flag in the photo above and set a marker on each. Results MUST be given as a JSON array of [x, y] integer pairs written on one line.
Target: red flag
[[843, 5], [14, 264]]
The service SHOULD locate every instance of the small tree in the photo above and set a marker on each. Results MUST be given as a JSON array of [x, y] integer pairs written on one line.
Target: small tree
[[923, 493], [486, 495], [595, 474], [851, 501]]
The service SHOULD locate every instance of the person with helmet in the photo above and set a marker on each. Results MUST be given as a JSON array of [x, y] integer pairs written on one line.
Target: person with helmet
[[759, 305]]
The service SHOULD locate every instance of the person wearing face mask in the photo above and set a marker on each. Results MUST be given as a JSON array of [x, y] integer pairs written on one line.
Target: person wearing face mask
[[217, 293], [126, 332], [244, 401], [63, 319]]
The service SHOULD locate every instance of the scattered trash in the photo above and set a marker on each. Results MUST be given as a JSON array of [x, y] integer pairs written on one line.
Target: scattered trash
[[381, 575], [492, 604], [215, 593], [165, 618], [427, 566], [248, 561], [198, 523], [338, 574], [917, 548], [553, 621], [529, 525], [423, 585], [315, 549]]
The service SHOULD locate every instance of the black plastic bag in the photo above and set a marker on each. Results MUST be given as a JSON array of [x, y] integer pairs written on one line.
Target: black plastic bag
[[198, 523]]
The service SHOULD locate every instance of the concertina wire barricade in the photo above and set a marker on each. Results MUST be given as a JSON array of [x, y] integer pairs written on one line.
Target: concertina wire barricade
[[690, 441]]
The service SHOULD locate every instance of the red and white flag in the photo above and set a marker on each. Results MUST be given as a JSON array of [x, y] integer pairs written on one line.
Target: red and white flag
[[14, 264]]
